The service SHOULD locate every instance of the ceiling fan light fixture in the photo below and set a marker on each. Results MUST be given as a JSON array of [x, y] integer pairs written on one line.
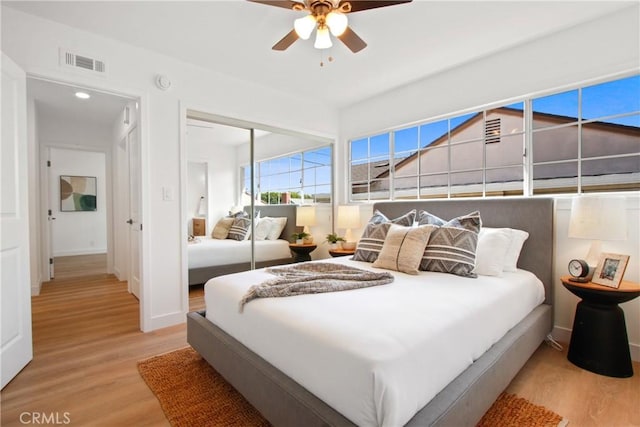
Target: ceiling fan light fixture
[[323, 39], [337, 23], [304, 26]]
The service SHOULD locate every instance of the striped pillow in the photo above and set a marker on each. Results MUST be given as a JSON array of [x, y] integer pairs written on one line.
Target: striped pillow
[[452, 246], [375, 232], [403, 248], [239, 229]]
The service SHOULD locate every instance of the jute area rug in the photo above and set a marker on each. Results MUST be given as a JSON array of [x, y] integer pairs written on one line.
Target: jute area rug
[[193, 394]]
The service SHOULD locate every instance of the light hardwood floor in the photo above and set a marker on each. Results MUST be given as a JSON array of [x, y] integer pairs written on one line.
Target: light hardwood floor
[[87, 343]]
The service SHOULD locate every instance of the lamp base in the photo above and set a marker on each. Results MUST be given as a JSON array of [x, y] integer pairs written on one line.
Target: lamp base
[[348, 246]]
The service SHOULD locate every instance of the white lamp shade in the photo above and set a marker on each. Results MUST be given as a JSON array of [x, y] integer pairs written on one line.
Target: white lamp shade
[[202, 207], [337, 23], [305, 216], [304, 26], [323, 39], [598, 218], [348, 216]]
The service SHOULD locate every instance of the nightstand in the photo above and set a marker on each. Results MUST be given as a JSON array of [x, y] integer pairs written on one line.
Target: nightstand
[[301, 252], [341, 252], [599, 341], [199, 228]]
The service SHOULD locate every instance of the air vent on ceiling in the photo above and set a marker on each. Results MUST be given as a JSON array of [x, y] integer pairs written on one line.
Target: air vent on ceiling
[[74, 60]]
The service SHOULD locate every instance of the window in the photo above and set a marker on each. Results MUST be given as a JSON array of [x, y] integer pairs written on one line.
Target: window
[[304, 177], [582, 140], [588, 139]]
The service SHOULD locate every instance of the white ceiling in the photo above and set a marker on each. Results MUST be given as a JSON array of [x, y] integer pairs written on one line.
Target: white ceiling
[[58, 100], [199, 130], [405, 42]]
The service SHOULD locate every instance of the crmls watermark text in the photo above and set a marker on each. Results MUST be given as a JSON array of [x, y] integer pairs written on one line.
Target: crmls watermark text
[[41, 418]]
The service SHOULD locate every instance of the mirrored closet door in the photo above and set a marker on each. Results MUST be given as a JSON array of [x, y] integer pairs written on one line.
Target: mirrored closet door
[[249, 191]]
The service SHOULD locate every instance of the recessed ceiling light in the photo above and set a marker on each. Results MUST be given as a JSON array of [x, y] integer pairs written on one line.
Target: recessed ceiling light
[[83, 95]]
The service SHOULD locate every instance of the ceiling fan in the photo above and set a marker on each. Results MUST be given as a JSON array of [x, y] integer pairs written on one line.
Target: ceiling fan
[[326, 16]]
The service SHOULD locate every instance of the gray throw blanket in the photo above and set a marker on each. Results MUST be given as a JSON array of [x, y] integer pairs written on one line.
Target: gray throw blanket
[[313, 278]]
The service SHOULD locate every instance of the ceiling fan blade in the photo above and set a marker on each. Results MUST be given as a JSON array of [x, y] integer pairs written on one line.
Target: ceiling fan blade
[[352, 40], [286, 41], [287, 4], [358, 5]]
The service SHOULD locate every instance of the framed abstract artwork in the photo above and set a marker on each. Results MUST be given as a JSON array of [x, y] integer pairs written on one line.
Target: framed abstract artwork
[[78, 193]]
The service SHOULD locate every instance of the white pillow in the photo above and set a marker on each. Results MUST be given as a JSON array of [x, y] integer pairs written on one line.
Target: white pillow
[[493, 245], [262, 228], [518, 238], [277, 225]]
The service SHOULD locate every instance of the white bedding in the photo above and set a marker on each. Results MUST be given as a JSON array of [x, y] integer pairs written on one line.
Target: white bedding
[[209, 252], [376, 355]]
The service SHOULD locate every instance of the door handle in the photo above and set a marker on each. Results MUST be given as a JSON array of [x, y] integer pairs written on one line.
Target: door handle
[[130, 222]]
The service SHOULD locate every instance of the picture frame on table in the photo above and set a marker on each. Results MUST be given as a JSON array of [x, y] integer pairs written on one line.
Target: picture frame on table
[[610, 270]]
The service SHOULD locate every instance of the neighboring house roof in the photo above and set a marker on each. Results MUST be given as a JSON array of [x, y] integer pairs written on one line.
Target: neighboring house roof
[[558, 119]]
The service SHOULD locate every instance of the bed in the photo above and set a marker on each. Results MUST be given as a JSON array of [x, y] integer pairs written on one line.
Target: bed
[[209, 257], [462, 401]]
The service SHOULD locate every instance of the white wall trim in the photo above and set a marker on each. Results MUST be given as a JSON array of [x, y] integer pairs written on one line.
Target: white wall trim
[[83, 251], [166, 320]]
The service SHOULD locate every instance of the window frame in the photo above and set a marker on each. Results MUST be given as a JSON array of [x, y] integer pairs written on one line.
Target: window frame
[[528, 132]]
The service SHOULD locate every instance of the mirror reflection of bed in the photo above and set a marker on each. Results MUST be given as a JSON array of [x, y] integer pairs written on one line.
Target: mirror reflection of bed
[[219, 195]]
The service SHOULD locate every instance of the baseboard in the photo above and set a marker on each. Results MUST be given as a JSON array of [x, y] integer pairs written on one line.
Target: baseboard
[[165, 321], [36, 286], [87, 251], [563, 335], [117, 273]]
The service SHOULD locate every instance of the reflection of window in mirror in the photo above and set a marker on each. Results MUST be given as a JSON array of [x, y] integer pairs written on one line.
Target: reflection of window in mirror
[[298, 178]]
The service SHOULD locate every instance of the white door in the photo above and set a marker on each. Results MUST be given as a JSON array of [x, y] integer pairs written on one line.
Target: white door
[[15, 285], [135, 224]]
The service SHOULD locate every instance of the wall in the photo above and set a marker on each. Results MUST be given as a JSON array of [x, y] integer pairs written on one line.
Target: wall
[[565, 59], [221, 173], [196, 188], [33, 43], [78, 233]]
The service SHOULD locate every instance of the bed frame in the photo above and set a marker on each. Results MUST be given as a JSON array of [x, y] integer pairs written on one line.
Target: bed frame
[[198, 276], [463, 402]]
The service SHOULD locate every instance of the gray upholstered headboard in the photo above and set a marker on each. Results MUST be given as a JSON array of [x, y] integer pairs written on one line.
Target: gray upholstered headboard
[[288, 211], [534, 215]]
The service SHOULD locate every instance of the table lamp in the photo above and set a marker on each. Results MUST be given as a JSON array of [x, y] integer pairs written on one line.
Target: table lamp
[[348, 218], [597, 219], [202, 207], [305, 217]]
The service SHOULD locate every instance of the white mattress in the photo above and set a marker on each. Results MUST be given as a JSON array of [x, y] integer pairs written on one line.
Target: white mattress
[[209, 252], [376, 355]]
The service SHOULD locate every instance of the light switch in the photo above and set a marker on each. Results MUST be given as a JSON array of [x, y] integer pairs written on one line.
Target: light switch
[[167, 194]]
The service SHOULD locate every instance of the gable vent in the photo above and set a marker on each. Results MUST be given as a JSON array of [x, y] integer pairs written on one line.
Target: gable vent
[[74, 60], [492, 131]]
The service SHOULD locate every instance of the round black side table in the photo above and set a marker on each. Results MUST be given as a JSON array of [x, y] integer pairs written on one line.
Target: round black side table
[[599, 341], [301, 252]]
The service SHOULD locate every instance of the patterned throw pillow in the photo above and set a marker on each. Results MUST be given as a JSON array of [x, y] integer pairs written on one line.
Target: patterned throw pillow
[[403, 248], [452, 246], [221, 230], [375, 232], [239, 229]]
